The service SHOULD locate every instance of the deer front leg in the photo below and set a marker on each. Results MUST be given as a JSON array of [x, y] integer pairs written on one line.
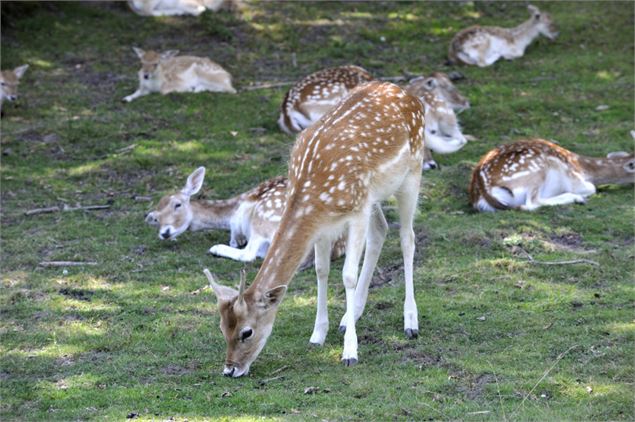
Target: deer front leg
[[248, 254], [322, 267], [374, 242], [407, 200], [138, 93], [357, 232]]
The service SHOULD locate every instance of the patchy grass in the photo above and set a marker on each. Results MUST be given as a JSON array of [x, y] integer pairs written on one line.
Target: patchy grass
[[501, 338]]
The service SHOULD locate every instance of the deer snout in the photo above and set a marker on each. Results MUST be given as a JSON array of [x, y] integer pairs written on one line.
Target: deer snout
[[12, 97], [166, 234], [146, 76], [234, 371]]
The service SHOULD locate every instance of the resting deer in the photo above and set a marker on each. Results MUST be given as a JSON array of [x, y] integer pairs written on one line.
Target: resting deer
[[252, 217], [9, 80], [166, 72], [369, 147], [177, 7], [532, 173], [314, 95], [309, 99], [483, 45]]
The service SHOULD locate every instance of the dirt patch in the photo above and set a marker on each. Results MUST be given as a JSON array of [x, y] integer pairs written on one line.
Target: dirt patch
[[422, 359], [180, 370], [475, 386], [78, 294], [567, 240]]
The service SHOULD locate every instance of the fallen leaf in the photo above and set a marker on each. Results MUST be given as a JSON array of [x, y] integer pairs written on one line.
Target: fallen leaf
[[311, 390], [601, 107], [481, 318]]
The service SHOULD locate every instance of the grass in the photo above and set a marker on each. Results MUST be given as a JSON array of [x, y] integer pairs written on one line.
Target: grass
[[500, 338]]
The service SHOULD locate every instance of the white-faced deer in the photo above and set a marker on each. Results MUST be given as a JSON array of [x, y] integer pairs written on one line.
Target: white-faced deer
[[166, 72], [252, 217], [366, 149], [532, 173], [314, 95], [483, 45], [9, 80]]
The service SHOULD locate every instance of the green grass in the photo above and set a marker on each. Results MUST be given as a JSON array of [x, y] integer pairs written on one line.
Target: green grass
[[500, 338]]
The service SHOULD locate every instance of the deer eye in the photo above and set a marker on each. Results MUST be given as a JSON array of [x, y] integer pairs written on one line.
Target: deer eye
[[245, 333], [433, 131], [177, 206], [3, 84]]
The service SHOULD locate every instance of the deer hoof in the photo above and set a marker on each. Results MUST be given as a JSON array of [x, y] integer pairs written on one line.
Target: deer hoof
[[411, 333], [349, 362], [314, 345], [342, 329]]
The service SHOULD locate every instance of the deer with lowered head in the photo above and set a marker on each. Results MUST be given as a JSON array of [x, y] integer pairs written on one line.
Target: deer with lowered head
[[369, 147], [252, 217], [484, 45], [166, 72], [9, 80], [529, 174]]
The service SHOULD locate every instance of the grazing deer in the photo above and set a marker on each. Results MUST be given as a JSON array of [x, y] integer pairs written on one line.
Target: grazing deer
[[483, 45], [9, 80], [252, 217], [166, 72], [314, 95], [178, 7], [532, 173], [370, 146]]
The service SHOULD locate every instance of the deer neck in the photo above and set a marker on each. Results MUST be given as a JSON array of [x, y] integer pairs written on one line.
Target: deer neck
[[209, 215], [601, 171], [524, 33], [291, 244]]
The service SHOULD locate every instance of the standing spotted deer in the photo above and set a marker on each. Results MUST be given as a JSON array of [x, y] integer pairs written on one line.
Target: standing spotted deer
[[366, 149], [166, 72], [9, 80], [252, 217], [532, 173], [483, 45]]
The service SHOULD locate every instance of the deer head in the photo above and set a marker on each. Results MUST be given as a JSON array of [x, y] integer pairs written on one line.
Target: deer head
[[442, 132], [150, 61], [9, 80], [174, 213], [247, 319], [440, 85], [543, 22]]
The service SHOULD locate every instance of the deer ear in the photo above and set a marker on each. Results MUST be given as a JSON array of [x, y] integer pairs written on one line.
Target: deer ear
[[274, 296], [533, 10], [19, 71], [194, 182], [139, 52], [169, 54], [223, 293]]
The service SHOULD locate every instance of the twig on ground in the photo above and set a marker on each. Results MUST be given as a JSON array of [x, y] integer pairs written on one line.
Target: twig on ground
[[65, 263], [65, 208], [277, 371], [41, 210], [565, 262], [126, 149], [267, 85], [268, 380], [558, 359]]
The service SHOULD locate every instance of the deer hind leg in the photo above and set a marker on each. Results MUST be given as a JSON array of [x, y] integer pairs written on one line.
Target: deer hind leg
[[357, 231], [374, 242], [322, 267], [407, 201]]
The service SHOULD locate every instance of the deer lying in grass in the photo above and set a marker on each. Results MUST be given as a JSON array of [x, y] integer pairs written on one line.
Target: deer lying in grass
[[9, 80], [532, 173], [177, 7], [252, 217], [483, 45], [166, 72], [369, 147], [309, 99]]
